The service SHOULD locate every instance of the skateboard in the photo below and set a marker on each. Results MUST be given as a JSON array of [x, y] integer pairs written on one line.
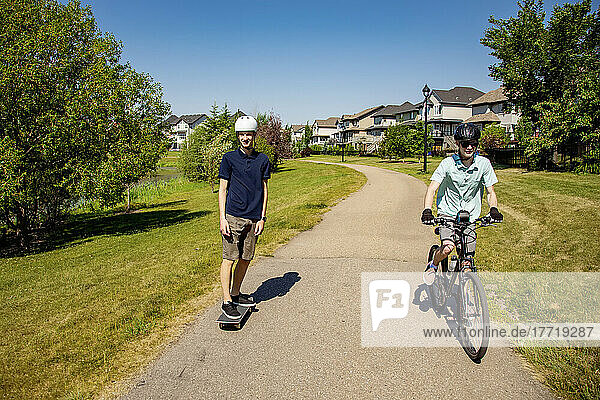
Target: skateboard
[[227, 323]]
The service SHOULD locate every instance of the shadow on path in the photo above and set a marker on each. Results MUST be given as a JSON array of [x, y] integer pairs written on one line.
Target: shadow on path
[[275, 287]]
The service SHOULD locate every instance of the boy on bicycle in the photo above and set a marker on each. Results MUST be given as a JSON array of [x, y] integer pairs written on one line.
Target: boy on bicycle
[[242, 208], [459, 181]]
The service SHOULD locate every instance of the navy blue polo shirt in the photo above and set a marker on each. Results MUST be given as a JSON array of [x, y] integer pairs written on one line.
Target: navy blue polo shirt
[[245, 174]]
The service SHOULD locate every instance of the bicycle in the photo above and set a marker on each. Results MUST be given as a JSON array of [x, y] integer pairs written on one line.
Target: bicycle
[[459, 280]]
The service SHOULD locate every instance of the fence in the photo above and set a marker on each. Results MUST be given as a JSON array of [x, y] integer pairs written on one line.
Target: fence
[[512, 156]]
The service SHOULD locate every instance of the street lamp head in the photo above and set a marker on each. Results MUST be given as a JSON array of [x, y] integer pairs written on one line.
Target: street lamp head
[[426, 91]]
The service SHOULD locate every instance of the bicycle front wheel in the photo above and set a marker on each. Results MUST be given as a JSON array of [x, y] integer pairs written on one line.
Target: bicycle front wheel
[[474, 316]]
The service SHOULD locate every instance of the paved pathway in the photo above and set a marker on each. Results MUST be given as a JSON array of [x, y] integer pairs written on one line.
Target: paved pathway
[[305, 339]]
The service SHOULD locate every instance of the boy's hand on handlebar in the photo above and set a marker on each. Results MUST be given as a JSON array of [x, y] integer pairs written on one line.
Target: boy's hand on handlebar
[[495, 215], [427, 217]]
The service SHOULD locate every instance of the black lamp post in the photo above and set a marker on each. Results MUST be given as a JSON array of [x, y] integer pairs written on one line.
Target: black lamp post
[[426, 93], [343, 144], [342, 137]]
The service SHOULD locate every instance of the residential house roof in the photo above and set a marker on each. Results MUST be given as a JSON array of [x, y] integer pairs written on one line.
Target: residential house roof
[[407, 106], [173, 119], [487, 117], [191, 118], [493, 96], [298, 128], [387, 111], [457, 95], [391, 110], [363, 113], [330, 122]]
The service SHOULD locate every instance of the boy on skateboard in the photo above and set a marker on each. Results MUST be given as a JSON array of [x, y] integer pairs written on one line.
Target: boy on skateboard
[[243, 176]]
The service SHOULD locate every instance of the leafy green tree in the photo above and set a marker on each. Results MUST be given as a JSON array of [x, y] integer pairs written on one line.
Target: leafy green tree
[[519, 45], [551, 73], [493, 136], [215, 134], [261, 145], [213, 152], [416, 141], [397, 142], [74, 121], [306, 138]]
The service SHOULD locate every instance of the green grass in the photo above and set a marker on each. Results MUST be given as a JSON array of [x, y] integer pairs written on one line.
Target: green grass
[[551, 223], [169, 159], [117, 286]]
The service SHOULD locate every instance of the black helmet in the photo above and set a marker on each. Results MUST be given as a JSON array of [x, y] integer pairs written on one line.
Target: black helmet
[[466, 131]]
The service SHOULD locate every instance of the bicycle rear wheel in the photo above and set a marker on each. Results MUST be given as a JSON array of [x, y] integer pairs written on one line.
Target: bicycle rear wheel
[[474, 317]]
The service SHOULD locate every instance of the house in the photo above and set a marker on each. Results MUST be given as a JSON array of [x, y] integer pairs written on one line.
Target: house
[[447, 109], [407, 113], [179, 128], [494, 107], [353, 128], [392, 115], [323, 130], [382, 119], [297, 133]]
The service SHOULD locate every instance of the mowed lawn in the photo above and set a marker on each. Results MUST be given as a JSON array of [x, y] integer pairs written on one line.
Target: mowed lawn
[[117, 286], [552, 223]]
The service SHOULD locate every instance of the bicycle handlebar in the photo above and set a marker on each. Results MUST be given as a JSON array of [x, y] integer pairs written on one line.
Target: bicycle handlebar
[[479, 222]]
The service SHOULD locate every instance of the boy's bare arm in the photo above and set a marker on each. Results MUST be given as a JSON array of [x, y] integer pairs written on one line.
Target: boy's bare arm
[[491, 197], [260, 225], [428, 201], [223, 224]]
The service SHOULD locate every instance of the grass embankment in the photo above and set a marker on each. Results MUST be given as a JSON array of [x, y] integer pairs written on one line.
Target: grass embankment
[[117, 286], [552, 223]]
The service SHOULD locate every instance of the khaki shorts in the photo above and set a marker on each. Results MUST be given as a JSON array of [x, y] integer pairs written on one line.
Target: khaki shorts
[[470, 236], [242, 241]]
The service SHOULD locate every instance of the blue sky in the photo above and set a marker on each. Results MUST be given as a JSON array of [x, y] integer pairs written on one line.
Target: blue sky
[[303, 60]]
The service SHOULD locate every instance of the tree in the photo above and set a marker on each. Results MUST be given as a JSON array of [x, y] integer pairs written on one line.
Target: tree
[[493, 136], [551, 73], [519, 44], [208, 142], [74, 121], [306, 138], [416, 134], [270, 128], [402, 141], [213, 152], [397, 142]]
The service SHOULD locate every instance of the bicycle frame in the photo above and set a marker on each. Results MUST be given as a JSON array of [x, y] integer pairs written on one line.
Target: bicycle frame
[[464, 262], [469, 294]]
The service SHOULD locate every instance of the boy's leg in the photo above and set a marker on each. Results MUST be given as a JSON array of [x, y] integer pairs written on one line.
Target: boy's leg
[[247, 245], [238, 276], [443, 252], [446, 238], [226, 279]]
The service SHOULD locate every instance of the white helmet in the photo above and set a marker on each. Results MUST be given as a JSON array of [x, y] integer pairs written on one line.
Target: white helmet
[[245, 124]]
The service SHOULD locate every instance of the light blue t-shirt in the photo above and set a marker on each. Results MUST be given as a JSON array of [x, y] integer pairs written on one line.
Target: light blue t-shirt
[[461, 188]]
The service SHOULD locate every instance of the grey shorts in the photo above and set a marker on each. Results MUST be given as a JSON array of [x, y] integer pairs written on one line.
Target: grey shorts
[[470, 236], [242, 241]]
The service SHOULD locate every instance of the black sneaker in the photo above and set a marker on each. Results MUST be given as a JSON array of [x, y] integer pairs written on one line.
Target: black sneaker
[[230, 310], [243, 300]]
